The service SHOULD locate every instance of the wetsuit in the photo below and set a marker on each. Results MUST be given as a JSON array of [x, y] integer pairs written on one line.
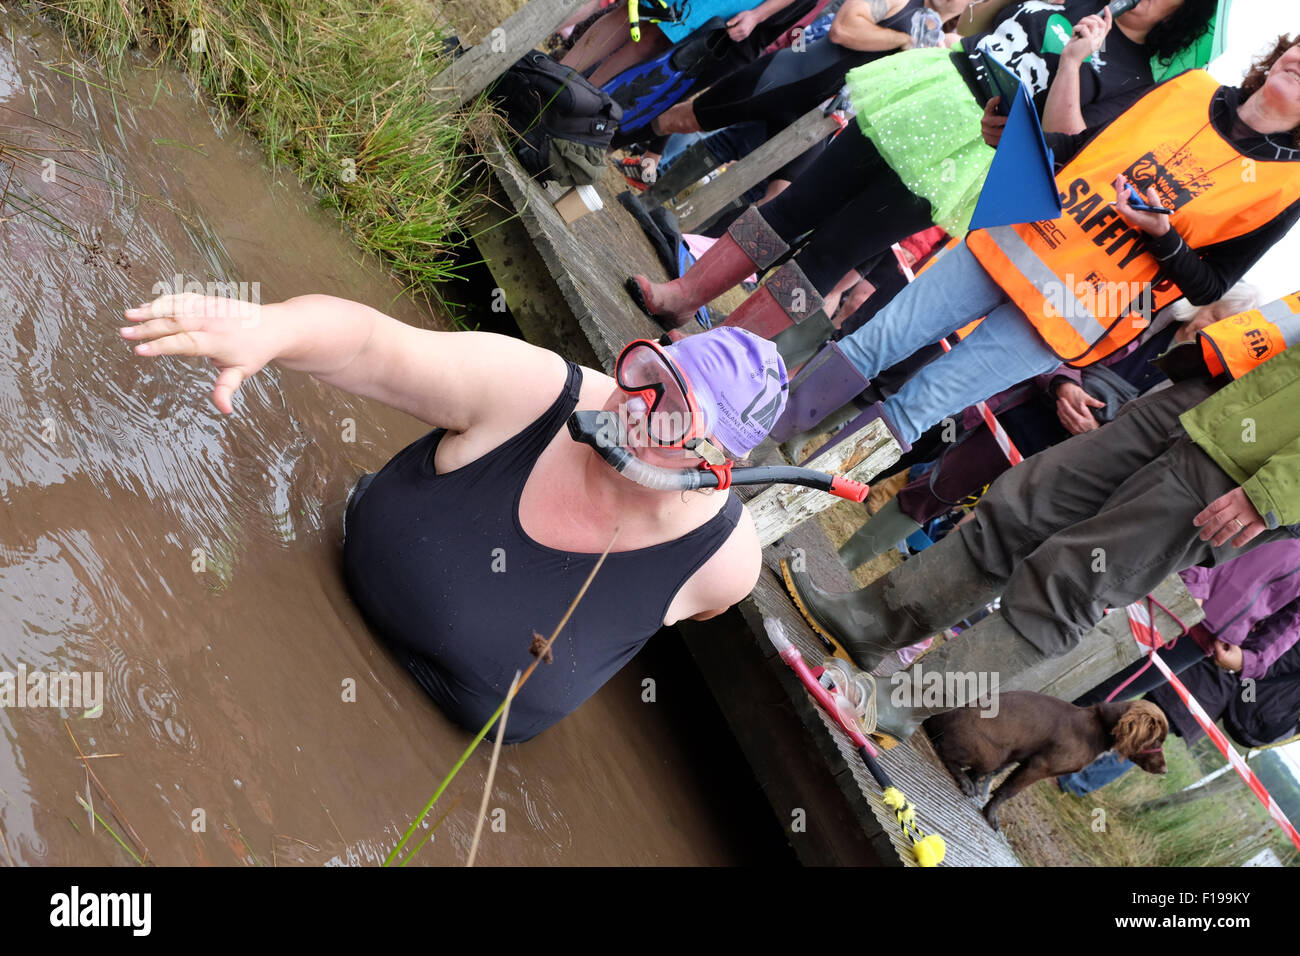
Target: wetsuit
[[444, 574]]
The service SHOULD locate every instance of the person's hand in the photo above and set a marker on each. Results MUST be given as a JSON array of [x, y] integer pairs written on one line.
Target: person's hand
[[742, 25], [1229, 515], [1088, 37], [232, 334], [992, 124], [1227, 656], [1072, 404], [1152, 223]]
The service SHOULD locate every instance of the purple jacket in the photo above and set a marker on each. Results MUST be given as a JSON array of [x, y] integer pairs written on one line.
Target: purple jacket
[[1253, 602]]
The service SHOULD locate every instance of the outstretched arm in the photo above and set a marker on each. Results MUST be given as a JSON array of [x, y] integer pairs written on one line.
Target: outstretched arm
[[441, 378]]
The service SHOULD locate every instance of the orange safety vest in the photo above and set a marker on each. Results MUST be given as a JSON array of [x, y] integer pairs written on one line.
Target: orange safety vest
[[1086, 280], [1240, 342]]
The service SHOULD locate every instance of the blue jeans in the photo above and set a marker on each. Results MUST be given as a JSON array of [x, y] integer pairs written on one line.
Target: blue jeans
[[1003, 350], [1105, 769]]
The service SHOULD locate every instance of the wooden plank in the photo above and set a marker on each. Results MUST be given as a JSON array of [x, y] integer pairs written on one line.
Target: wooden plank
[[794, 140], [1110, 647], [861, 457], [940, 806], [587, 260], [474, 70], [532, 294], [689, 168], [787, 748]]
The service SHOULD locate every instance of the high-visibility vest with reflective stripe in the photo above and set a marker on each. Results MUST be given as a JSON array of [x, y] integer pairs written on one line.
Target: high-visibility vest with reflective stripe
[[1086, 280], [1240, 342]]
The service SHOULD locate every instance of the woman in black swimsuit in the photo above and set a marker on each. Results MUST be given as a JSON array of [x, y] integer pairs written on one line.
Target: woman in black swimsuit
[[482, 531]]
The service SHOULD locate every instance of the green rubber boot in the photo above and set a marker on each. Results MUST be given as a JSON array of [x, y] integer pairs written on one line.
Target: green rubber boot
[[927, 593], [972, 668], [883, 530]]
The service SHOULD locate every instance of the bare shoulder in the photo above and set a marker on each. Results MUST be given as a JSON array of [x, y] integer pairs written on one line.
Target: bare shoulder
[[880, 9], [502, 385], [596, 386], [521, 380], [726, 578]]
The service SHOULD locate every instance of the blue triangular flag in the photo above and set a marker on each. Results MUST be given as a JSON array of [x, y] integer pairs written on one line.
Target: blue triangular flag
[[1021, 184]]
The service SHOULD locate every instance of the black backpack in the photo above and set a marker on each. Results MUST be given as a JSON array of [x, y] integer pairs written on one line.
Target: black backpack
[[560, 125]]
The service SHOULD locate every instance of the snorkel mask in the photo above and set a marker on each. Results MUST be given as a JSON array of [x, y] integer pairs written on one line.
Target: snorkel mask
[[703, 429]]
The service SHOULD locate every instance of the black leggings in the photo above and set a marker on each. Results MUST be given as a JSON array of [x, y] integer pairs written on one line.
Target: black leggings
[[854, 204], [777, 89]]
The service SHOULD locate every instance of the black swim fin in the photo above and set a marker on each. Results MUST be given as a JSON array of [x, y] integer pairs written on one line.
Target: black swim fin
[[649, 88], [664, 246]]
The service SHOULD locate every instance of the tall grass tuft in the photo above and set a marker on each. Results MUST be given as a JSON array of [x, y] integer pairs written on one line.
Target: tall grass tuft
[[335, 89]]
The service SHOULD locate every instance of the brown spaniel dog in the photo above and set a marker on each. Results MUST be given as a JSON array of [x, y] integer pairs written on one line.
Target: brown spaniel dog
[[1046, 736]]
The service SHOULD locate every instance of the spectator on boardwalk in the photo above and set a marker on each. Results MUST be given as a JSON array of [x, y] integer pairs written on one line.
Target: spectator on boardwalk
[[1078, 288], [1037, 414], [1096, 522], [607, 47], [916, 156]]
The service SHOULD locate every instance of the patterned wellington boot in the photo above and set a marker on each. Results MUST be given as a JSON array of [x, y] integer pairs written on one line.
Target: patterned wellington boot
[[749, 244]]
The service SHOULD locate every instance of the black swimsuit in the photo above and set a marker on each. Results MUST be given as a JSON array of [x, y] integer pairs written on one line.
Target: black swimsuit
[[444, 573]]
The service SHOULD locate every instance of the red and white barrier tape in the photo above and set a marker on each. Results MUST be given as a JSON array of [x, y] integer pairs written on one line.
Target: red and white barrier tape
[[999, 433], [1145, 633]]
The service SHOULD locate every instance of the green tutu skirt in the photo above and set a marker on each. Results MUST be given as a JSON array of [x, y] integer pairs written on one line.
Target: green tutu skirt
[[917, 110]]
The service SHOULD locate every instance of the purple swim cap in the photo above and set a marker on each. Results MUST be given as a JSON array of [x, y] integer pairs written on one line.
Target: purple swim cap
[[739, 381]]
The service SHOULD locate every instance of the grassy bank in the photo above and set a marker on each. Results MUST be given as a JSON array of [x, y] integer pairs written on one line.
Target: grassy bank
[[334, 89], [1110, 828]]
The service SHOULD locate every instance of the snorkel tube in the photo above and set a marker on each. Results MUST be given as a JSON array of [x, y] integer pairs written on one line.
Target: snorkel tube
[[604, 433]]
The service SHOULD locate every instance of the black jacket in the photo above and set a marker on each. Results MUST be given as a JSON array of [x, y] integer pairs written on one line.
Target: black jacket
[[1270, 715]]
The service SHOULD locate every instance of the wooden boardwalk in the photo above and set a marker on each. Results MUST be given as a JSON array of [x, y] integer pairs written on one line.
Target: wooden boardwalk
[[564, 286]]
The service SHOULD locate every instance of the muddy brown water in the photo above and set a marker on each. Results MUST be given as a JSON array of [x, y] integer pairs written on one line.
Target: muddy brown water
[[225, 689]]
